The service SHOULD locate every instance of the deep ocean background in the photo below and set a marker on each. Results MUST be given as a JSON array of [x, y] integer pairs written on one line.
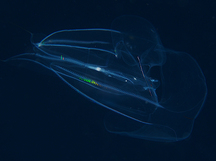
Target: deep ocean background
[[41, 118]]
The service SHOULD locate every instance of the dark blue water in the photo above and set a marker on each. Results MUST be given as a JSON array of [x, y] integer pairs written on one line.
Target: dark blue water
[[41, 118]]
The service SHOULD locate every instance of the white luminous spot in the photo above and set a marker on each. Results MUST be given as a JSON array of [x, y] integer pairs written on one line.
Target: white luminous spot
[[98, 69], [39, 44], [153, 80], [134, 78]]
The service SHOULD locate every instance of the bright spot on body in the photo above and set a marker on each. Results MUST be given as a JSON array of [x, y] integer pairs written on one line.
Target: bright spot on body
[[98, 69]]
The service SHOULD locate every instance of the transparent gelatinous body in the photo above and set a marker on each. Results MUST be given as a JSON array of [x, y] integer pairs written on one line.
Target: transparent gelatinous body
[[155, 93]]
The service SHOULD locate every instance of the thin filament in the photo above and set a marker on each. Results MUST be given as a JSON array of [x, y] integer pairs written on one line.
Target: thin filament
[[143, 75]]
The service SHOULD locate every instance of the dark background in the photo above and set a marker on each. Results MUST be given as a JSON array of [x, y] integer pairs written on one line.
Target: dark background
[[41, 118]]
